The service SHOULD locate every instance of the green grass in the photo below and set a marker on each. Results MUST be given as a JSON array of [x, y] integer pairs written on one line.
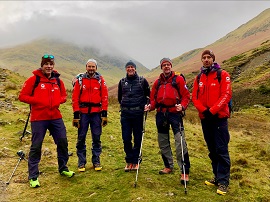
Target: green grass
[[249, 150]]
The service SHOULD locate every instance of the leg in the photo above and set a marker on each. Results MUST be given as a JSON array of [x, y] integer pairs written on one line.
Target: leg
[[58, 132], [222, 138], [82, 131], [126, 124], [209, 137], [137, 125], [38, 133], [179, 135], [96, 130], [164, 140]]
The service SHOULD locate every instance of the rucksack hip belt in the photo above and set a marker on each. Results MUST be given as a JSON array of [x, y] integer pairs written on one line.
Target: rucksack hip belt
[[88, 104]]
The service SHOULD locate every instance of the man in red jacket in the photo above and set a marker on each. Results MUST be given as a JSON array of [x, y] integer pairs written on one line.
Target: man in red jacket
[[170, 97], [45, 99], [211, 96], [90, 105]]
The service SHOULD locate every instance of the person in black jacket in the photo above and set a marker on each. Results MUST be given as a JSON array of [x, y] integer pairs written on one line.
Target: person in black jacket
[[133, 92]]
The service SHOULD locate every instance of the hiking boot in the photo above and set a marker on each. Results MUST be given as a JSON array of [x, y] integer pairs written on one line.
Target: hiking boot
[[128, 167], [222, 189], [135, 167], [166, 171], [68, 173], [184, 178], [81, 168], [34, 183], [211, 182], [97, 167]]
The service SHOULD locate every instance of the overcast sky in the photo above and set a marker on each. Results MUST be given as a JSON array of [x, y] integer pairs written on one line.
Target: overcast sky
[[145, 30]]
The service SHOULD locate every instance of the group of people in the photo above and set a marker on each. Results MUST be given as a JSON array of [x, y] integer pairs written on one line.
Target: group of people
[[169, 96]]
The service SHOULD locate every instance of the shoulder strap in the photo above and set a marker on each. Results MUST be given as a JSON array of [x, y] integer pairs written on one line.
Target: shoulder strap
[[36, 83], [199, 77], [219, 75]]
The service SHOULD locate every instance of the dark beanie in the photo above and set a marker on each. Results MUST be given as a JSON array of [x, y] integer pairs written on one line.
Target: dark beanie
[[165, 60], [209, 52], [130, 63], [44, 60]]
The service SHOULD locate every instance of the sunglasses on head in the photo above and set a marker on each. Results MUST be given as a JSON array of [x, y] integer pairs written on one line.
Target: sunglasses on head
[[48, 56]]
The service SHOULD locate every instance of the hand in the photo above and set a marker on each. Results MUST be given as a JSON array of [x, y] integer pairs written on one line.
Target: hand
[[104, 119], [179, 107], [147, 107], [207, 114], [76, 123], [76, 119]]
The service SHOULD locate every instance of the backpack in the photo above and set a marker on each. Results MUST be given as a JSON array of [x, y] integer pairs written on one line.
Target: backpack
[[219, 79], [38, 80]]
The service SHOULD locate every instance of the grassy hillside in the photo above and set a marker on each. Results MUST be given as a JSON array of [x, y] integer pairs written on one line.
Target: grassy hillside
[[249, 149], [70, 60]]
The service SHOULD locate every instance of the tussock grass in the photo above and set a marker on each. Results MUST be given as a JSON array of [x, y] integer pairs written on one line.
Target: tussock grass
[[249, 150]]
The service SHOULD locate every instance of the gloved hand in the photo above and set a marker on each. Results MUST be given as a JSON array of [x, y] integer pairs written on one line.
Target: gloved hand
[[76, 119], [104, 119], [207, 114]]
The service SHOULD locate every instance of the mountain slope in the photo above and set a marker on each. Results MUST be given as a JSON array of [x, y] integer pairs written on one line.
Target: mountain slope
[[70, 60], [248, 36]]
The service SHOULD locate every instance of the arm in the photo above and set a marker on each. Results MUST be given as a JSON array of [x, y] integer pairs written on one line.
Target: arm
[[76, 97], [63, 92], [26, 92], [146, 88], [184, 92], [195, 97], [152, 95], [104, 95], [225, 94], [120, 92]]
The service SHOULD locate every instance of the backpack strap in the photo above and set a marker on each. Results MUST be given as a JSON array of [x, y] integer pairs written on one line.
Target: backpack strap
[[35, 84], [219, 75]]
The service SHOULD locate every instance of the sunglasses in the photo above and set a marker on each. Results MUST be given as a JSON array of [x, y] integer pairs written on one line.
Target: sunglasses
[[48, 56]]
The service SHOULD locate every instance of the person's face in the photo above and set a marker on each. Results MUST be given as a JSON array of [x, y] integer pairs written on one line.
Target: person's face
[[91, 68], [207, 60], [166, 68], [130, 70], [47, 68]]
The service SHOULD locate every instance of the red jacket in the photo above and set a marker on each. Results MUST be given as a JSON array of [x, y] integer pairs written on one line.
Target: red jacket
[[168, 95], [46, 98], [92, 92], [210, 93]]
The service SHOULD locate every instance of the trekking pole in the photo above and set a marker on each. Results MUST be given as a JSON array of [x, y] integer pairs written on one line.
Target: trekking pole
[[24, 130], [140, 154], [21, 155], [183, 161]]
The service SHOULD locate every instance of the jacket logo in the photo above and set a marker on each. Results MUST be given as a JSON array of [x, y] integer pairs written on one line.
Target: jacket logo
[[42, 86], [213, 84], [200, 84], [126, 83], [84, 87]]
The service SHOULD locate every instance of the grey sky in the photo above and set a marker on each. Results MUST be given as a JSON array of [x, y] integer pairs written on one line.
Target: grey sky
[[145, 30]]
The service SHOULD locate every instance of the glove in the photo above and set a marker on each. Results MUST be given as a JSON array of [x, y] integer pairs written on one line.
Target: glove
[[207, 114], [76, 119], [104, 119]]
